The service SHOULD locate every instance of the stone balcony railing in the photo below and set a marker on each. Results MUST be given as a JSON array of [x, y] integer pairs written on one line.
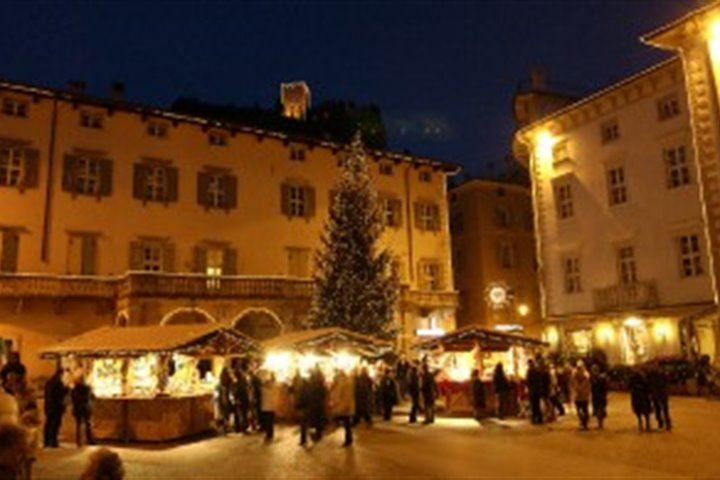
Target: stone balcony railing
[[159, 285], [619, 297]]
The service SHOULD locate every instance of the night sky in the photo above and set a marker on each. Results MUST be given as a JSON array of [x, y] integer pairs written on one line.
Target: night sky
[[446, 65]]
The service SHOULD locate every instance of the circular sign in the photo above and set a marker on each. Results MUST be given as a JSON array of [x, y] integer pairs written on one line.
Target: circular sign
[[498, 295]]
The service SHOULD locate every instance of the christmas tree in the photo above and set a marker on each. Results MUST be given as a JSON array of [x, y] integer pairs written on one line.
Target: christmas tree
[[355, 285]]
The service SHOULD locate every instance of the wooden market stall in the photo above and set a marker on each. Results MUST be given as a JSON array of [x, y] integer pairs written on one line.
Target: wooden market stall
[[151, 383], [329, 348], [457, 353]]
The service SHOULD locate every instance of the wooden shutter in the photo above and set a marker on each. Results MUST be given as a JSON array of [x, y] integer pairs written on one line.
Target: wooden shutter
[[200, 259], [435, 215], [229, 262], [69, 172], [285, 199], [168, 253], [31, 168], [172, 184], [106, 177], [136, 256], [10, 250], [139, 178], [309, 202], [396, 206], [417, 207], [203, 185], [230, 192], [89, 255]]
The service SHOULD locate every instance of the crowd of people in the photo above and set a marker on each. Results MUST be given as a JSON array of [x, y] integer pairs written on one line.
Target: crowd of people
[[247, 398]]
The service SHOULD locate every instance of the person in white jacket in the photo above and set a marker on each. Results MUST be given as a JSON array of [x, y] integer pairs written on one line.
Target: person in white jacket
[[268, 403], [342, 402]]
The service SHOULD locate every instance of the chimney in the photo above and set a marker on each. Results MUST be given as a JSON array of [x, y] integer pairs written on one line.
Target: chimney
[[117, 91], [76, 86], [538, 79]]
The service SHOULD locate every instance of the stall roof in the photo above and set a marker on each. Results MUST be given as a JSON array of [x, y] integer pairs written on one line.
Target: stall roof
[[465, 338], [328, 337], [132, 341]]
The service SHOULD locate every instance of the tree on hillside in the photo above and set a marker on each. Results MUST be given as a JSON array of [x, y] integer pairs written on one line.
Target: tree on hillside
[[355, 285]]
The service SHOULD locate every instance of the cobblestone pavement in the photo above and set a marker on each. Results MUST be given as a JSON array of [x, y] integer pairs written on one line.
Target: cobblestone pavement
[[452, 448]]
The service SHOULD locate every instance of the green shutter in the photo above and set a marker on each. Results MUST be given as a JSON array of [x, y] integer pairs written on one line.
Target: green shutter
[[396, 206], [200, 259], [435, 213], [139, 177], [69, 171], [32, 166], [309, 202], [229, 262], [89, 255], [106, 177], [203, 184], [285, 199], [168, 252], [10, 250], [172, 184], [136, 259], [230, 192]]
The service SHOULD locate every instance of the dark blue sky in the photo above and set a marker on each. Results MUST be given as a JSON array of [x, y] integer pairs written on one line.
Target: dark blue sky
[[452, 65]]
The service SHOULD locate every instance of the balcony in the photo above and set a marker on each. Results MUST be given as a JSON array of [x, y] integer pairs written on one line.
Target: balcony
[[57, 286], [621, 297], [428, 298]]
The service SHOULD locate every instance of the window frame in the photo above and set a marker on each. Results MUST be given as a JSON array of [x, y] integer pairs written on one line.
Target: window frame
[[668, 113], [83, 176], [610, 131], [425, 176], [91, 119], [217, 139], [14, 107], [626, 263], [571, 274], [297, 201], [12, 173], [157, 129], [386, 169], [157, 185], [677, 169], [691, 262], [617, 187], [564, 201]]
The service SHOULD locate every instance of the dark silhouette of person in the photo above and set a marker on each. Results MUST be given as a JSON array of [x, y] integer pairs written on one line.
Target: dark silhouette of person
[[55, 393]]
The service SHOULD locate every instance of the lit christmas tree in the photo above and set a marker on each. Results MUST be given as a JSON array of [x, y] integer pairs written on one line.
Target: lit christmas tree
[[355, 285]]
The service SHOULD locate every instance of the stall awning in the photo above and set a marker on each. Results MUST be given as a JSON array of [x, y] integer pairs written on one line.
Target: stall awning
[[465, 338], [329, 339], [201, 339]]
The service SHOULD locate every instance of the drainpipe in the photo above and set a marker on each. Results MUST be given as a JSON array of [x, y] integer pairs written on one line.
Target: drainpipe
[[47, 212]]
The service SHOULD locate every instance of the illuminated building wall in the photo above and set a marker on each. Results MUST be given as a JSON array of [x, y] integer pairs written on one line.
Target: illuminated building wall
[[491, 224], [94, 192]]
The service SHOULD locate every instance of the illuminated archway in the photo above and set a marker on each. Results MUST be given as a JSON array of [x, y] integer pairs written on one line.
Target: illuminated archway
[[258, 323], [187, 316]]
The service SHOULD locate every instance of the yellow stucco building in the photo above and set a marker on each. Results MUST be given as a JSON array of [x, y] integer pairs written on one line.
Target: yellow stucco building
[[118, 213]]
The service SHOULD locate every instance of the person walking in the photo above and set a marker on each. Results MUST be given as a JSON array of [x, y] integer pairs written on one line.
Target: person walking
[[268, 403], [342, 403], [478, 395], [388, 394], [534, 382], [658, 385], [401, 372], [640, 398], [502, 390], [82, 410], [429, 391], [317, 399], [581, 390], [413, 390], [223, 401], [241, 400], [55, 394], [363, 397], [599, 394]]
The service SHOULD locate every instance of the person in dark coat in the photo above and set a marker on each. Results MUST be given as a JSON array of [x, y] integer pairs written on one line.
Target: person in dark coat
[[534, 380], [388, 394], [429, 391], [640, 398], [413, 390], [55, 394], [223, 401], [658, 385], [82, 411], [401, 372], [13, 368], [478, 395], [363, 397], [599, 394], [502, 390], [316, 403], [241, 400]]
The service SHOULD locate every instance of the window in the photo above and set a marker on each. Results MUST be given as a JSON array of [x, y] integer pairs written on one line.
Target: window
[[217, 139], [571, 275], [214, 266], [90, 119], [609, 131], [690, 256], [385, 168], [564, 201], [427, 216], [299, 262], [152, 255], [506, 255], [627, 271], [391, 211], [217, 189], [668, 107], [14, 107], [430, 275], [297, 200], [297, 153], [155, 181], [11, 166], [425, 176], [503, 217], [9, 251], [82, 254], [677, 170], [157, 129], [87, 175], [617, 188], [214, 259]]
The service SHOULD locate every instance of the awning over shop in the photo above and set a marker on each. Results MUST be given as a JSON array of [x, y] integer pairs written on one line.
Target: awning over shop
[[327, 339], [202, 339], [466, 338]]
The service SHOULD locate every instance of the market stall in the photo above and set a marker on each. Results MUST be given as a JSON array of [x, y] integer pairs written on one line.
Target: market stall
[[456, 354], [151, 383], [298, 352]]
